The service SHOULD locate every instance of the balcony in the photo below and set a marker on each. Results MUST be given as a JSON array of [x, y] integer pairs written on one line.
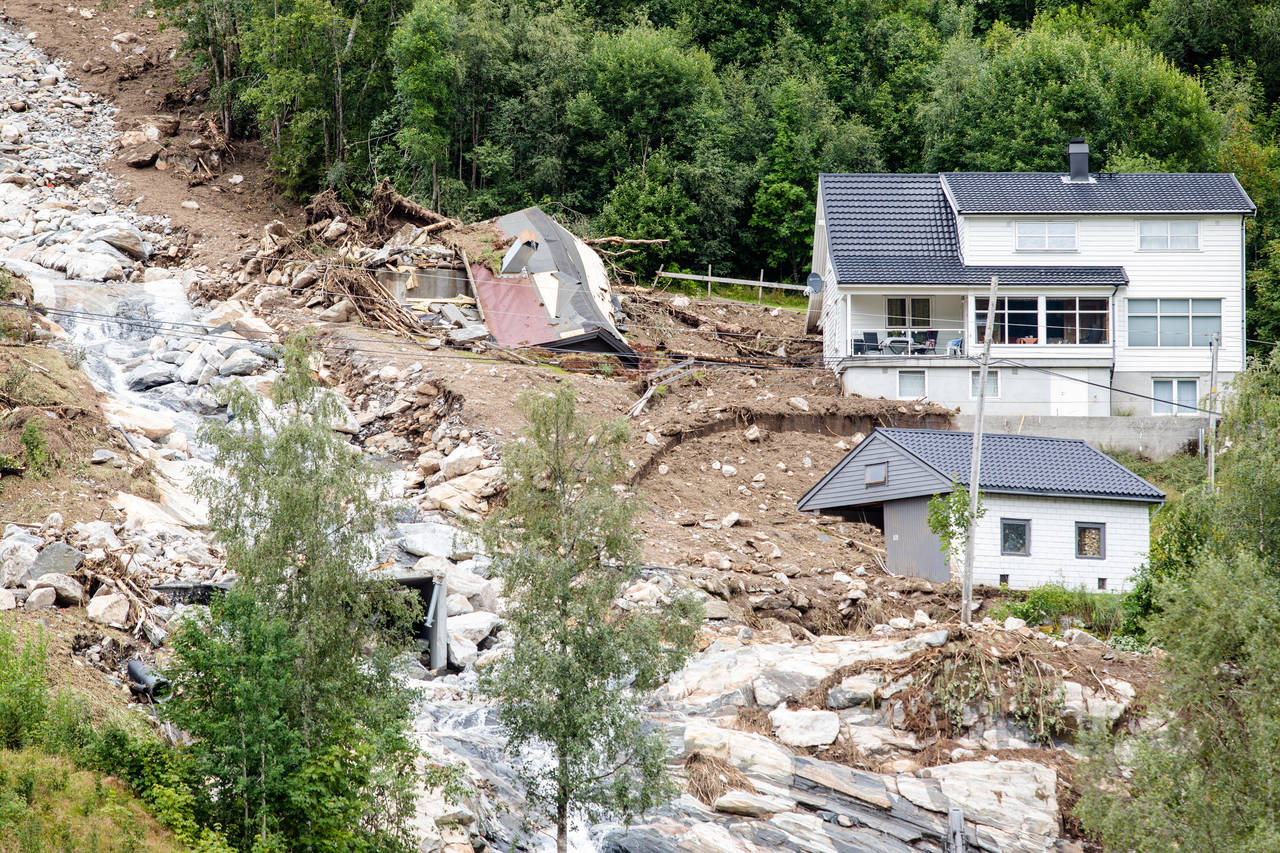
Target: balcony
[[908, 342]]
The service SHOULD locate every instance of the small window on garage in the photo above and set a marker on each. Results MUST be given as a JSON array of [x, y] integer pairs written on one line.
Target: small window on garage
[[1015, 537], [1091, 540], [876, 474]]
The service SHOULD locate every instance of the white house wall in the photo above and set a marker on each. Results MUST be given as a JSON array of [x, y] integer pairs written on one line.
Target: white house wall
[[1052, 553], [948, 383], [1213, 271]]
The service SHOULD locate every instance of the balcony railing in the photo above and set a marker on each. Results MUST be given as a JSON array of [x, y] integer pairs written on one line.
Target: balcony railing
[[908, 342]]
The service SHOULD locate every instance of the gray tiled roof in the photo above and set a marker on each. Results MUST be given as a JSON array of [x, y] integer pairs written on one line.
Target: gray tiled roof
[[899, 229], [851, 269], [1025, 464], [1046, 192]]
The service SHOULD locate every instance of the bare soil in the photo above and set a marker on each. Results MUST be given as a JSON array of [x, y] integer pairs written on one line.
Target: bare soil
[[38, 385]]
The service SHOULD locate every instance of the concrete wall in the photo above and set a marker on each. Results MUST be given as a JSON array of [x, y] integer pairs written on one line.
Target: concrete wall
[[1021, 391], [1156, 437], [1052, 557]]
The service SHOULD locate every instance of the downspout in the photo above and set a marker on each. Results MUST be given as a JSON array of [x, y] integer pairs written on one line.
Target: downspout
[[1111, 381]]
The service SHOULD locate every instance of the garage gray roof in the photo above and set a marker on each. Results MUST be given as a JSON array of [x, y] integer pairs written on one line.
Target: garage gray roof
[[900, 229], [1047, 192], [1025, 464]]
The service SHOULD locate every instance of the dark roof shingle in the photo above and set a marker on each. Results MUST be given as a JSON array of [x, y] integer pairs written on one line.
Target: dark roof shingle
[[1047, 192], [1026, 464], [899, 229]]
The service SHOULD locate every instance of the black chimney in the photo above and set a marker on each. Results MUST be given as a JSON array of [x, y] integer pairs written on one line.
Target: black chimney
[[1078, 153]]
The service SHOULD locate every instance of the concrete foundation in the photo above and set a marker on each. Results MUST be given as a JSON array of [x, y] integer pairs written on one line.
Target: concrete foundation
[[1152, 436]]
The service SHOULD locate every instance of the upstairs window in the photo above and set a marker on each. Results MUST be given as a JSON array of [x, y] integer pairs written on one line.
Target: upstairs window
[[1075, 320], [1178, 234], [876, 473], [1174, 322], [1046, 236]]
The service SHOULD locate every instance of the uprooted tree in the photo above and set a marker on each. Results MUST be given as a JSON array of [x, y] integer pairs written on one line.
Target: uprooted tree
[[287, 687], [578, 669]]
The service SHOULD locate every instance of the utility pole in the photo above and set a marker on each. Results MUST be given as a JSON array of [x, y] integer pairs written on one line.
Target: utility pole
[[1213, 405], [975, 463]]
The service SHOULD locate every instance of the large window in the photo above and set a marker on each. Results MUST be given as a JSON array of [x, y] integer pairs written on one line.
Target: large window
[[1174, 322], [1091, 542], [911, 384], [1076, 320], [1046, 236], [1016, 321], [1174, 396], [993, 383], [1015, 537], [897, 316], [1161, 234]]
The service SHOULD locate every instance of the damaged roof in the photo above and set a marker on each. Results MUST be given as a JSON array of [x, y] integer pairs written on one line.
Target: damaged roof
[[552, 291]]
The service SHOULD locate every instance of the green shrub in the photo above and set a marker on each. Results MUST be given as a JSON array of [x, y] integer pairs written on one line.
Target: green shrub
[[1051, 604], [36, 447], [23, 688]]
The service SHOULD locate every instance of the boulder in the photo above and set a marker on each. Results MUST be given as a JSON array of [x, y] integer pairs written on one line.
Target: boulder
[[67, 588], [463, 460], [109, 609], [102, 456], [94, 266], [462, 652], [475, 626], [142, 155], [854, 690], [149, 374], [40, 599], [777, 685], [98, 534], [191, 369], [751, 805], [433, 539], [1077, 637], [7, 600], [1017, 797], [16, 558], [154, 425], [242, 362], [799, 403], [457, 604], [805, 727], [56, 558], [338, 312]]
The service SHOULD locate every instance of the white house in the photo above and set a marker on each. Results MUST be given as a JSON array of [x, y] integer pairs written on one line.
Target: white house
[[1056, 510], [1112, 287]]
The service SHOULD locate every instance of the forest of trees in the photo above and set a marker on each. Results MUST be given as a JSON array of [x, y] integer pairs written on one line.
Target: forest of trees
[[707, 122]]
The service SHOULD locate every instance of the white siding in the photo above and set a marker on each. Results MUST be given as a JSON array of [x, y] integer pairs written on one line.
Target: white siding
[[1053, 529], [1212, 272]]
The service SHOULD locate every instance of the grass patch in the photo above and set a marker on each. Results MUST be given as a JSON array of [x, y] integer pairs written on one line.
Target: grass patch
[[47, 804], [1056, 607], [789, 299], [1174, 476]]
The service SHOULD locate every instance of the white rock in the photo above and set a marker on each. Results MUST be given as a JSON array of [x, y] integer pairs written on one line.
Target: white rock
[[1013, 623], [804, 727], [457, 604], [7, 600], [901, 623], [154, 425], [242, 362], [98, 534], [41, 599], [474, 626], [922, 619], [463, 460], [730, 520], [110, 609], [728, 471], [751, 805], [67, 589], [190, 204], [799, 403]]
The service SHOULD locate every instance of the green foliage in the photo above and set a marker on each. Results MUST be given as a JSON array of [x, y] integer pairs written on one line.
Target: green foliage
[[1220, 749], [1054, 604], [35, 447], [23, 688], [573, 681], [292, 676], [950, 520]]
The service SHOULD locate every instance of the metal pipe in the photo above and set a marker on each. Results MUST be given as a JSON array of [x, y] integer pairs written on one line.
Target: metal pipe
[[146, 681]]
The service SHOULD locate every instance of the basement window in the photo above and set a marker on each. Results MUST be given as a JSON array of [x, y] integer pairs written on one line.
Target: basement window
[[876, 474], [1102, 584]]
